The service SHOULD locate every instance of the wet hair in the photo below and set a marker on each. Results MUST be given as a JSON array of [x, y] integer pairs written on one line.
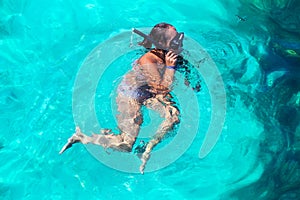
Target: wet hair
[[158, 33]]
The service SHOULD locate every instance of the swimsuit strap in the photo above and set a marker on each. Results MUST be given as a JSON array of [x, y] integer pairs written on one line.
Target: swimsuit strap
[[159, 53]]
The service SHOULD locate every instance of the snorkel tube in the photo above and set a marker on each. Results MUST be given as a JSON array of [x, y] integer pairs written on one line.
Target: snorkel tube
[[176, 43], [147, 37]]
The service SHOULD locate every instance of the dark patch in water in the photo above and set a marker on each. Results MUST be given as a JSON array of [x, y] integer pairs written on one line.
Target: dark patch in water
[[4, 189]]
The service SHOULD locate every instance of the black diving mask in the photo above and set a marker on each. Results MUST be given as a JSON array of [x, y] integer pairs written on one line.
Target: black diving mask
[[175, 43]]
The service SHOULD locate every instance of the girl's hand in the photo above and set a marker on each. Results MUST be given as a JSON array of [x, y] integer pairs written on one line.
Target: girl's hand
[[171, 59]]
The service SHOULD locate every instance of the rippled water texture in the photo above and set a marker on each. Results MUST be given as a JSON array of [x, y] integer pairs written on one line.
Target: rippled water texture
[[256, 47]]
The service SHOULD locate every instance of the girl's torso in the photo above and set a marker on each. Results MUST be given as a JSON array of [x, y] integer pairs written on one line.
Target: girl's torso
[[137, 80]]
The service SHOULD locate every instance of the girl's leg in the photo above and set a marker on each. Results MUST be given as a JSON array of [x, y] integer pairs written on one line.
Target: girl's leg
[[129, 121], [165, 107]]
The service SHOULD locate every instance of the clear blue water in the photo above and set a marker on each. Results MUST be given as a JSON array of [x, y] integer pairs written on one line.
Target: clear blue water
[[42, 47]]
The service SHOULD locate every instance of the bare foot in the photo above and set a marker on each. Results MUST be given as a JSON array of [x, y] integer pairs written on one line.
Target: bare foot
[[142, 167], [76, 137]]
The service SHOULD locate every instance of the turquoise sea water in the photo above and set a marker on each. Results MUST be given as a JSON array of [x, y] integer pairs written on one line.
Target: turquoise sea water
[[256, 47]]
